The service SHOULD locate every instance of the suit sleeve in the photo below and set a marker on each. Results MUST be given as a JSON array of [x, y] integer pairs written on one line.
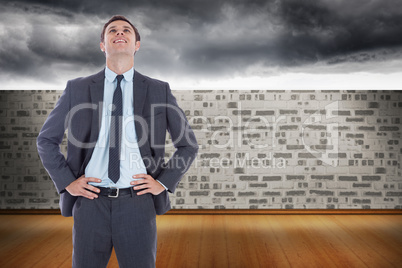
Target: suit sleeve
[[49, 140], [184, 141]]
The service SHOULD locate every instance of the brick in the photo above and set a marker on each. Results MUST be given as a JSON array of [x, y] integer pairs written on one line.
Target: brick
[[371, 178], [223, 194], [282, 155], [22, 113], [354, 135], [288, 112], [15, 201], [348, 178], [270, 193], [394, 193], [29, 178], [364, 112], [365, 185], [271, 178], [248, 178], [361, 201], [295, 193], [316, 127], [380, 170], [232, 105], [238, 171], [320, 192], [348, 193], [258, 185], [199, 193], [210, 155], [342, 128], [265, 112], [365, 128], [241, 112], [372, 194], [294, 147], [337, 155], [258, 201], [27, 194], [310, 112], [309, 155], [289, 127], [8, 135], [388, 128], [354, 119], [322, 177], [295, 177], [247, 194]]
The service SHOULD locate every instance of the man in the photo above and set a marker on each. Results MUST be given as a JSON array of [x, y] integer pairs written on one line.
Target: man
[[114, 180]]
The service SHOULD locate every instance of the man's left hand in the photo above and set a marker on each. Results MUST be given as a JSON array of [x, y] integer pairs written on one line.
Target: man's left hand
[[148, 183]]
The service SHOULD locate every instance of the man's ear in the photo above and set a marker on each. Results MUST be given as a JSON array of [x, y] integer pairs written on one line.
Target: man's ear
[[102, 46], [137, 45]]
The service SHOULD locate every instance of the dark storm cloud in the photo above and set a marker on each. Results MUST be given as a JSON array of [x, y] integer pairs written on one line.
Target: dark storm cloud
[[305, 32], [63, 47], [201, 38], [325, 29]]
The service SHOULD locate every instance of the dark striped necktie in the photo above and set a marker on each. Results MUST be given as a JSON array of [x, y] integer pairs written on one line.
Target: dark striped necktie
[[115, 133]]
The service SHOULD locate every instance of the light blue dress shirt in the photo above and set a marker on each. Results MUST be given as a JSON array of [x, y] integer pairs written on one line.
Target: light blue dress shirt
[[131, 161]]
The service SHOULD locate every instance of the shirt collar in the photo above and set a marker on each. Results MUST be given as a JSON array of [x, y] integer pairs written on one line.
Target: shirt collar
[[111, 76]]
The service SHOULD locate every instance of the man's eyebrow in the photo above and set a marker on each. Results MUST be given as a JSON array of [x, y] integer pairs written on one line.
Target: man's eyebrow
[[128, 27]]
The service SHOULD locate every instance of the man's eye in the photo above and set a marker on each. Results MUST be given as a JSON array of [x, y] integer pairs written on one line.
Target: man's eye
[[113, 30], [127, 30]]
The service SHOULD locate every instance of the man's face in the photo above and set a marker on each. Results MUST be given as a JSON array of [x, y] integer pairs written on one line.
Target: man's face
[[119, 39]]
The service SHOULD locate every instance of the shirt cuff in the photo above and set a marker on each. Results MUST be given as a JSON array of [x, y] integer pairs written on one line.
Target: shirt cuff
[[162, 185]]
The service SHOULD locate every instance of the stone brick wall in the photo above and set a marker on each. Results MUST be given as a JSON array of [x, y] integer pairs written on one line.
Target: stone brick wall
[[258, 149]]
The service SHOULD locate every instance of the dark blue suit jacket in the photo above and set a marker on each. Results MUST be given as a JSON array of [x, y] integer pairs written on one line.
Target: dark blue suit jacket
[[79, 110]]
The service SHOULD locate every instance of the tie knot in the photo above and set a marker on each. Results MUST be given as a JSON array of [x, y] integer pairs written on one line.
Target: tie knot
[[119, 78]]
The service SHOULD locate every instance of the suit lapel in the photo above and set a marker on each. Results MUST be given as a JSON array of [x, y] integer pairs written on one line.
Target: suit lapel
[[140, 91], [96, 96], [96, 90]]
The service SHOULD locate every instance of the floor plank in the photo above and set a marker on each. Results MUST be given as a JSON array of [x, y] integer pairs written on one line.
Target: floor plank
[[224, 241]]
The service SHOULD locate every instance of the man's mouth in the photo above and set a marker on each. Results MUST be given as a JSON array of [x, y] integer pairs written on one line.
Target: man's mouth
[[120, 41]]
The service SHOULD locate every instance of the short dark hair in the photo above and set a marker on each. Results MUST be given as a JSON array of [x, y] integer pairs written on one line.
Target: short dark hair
[[119, 17]]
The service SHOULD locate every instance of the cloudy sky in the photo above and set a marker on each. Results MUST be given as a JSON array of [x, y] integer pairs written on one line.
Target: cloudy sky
[[210, 44]]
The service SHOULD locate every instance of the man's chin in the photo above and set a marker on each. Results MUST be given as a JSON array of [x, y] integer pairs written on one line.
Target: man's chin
[[121, 53]]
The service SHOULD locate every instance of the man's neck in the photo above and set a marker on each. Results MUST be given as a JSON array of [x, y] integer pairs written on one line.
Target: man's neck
[[120, 65]]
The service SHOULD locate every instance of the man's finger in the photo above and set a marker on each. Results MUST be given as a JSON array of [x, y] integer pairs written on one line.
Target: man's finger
[[138, 181], [143, 192], [91, 195], [92, 188], [145, 185], [93, 179], [88, 194], [145, 176]]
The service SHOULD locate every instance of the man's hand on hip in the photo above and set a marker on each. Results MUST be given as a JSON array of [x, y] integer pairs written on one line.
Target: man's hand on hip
[[148, 183], [79, 186]]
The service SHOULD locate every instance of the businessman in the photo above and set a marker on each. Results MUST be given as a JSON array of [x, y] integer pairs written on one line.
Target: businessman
[[115, 180]]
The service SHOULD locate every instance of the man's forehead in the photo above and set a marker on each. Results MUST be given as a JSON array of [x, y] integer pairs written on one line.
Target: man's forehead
[[116, 23]]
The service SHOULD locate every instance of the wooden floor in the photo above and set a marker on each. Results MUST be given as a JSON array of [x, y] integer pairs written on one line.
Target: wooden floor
[[224, 241]]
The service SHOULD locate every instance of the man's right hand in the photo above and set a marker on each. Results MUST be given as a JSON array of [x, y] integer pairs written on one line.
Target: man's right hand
[[79, 186]]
